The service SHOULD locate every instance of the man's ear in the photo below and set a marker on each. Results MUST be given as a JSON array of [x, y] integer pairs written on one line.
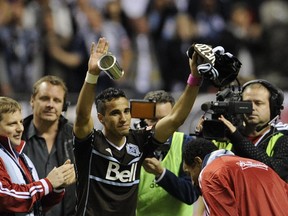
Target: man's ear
[[31, 102], [198, 161], [100, 117]]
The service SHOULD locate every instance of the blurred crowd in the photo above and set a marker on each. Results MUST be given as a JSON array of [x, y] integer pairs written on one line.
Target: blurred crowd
[[148, 37]]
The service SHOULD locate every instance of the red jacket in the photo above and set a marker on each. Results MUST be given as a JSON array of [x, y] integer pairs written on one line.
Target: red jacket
[[16, 195], [233, 185]]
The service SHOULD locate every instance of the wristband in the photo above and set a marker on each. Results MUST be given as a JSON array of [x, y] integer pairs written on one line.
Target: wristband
[[91, 78], [194, 81]]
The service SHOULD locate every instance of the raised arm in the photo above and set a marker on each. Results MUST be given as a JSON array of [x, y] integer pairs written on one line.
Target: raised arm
[[84, 122], [170, 123]]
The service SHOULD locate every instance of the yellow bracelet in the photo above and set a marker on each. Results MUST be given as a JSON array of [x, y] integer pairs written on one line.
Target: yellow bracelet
[[91, 78]]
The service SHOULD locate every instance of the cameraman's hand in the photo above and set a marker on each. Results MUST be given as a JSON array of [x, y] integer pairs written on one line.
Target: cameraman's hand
[[153, 166], [229, 125], [199, 126]]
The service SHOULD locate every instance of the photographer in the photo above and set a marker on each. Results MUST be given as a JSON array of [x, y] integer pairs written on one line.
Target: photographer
[[166, 168], [253, 114], [257, 139]]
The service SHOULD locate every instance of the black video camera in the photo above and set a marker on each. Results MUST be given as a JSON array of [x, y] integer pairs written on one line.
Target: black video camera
[[228, 103]]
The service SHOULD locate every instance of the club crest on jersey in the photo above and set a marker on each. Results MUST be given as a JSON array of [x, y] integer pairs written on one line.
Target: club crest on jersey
[[132, 149]]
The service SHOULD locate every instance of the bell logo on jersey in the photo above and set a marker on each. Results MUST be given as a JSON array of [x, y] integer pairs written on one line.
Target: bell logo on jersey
[[114, 174]]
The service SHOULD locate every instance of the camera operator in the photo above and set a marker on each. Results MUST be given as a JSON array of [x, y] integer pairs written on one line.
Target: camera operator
[[257, 139], [166, 169], [261, 137]]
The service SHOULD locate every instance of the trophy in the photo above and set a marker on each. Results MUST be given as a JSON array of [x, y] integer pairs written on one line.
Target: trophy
[[109, 64]]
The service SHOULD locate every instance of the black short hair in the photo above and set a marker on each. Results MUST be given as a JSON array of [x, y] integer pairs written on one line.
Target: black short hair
[[198, 147], [107, 95]]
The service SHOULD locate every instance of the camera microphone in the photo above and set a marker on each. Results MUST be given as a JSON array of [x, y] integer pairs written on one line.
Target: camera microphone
[[206, 106], [259, 128]]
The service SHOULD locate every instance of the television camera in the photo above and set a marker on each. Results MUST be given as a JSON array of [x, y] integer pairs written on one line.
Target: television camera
[[228, 103]]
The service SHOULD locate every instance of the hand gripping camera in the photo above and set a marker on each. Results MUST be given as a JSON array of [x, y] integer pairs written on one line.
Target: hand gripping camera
[[228, 103]]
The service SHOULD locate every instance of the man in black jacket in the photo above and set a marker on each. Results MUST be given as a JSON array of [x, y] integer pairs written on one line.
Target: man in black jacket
[[49, 135], [259, 139]]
